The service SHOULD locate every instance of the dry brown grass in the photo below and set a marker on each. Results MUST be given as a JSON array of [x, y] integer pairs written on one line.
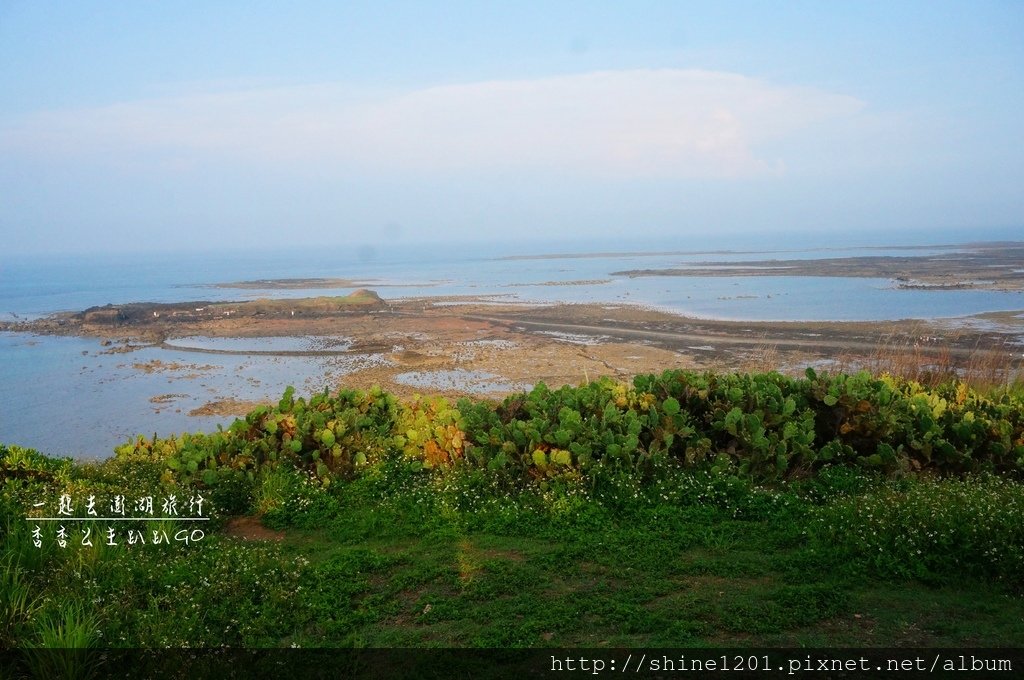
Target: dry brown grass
[[913, 355], [931, 362], [762, 359]]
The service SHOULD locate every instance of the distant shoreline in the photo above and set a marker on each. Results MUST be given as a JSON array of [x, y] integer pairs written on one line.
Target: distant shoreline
[[307, 283], [988, 266], [758, 251]]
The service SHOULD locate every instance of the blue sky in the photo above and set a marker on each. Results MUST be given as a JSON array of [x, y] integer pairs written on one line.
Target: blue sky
[[144, 126]]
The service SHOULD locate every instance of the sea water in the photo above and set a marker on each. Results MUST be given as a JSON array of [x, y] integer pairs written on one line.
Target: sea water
[[71, 396]]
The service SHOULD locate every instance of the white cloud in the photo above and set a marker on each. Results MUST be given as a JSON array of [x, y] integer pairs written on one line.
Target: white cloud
[[660, 123]]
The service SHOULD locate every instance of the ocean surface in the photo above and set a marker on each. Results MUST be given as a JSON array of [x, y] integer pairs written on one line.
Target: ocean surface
[[70, 396]]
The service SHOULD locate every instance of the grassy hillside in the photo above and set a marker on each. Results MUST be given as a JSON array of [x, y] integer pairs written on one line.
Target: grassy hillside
[[683, 510]]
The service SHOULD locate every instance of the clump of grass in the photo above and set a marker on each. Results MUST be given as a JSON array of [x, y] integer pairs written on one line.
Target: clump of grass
[[763, 359], [59, 641], [67, 626], [289, 497], [17, 603]]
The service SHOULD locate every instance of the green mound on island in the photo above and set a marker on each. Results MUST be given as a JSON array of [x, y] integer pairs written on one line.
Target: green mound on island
[[150, 313], [363, 297]]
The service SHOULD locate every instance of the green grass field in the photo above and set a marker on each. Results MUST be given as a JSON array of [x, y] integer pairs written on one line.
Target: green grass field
[[388, 548], [406, 561]]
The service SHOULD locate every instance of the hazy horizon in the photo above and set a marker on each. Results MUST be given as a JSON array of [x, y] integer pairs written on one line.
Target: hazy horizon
[[234, 126]]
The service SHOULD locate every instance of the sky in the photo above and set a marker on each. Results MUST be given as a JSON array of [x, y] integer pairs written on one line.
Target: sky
[[133, 126]]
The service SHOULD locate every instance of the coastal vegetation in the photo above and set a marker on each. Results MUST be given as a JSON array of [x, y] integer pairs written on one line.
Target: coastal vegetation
[[682, 509]]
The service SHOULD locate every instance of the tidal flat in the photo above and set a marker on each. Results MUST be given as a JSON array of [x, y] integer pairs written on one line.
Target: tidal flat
[[193, 365], [494, 328]]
